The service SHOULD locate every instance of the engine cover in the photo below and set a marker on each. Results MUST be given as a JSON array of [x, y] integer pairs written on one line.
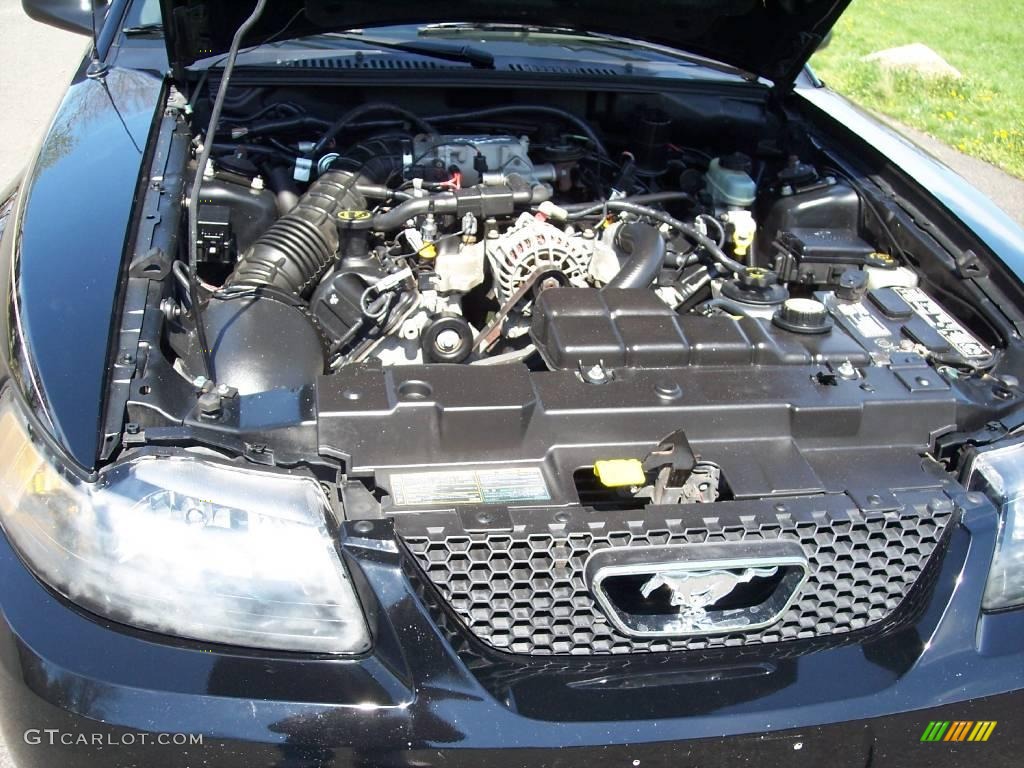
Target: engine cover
[[619, 328]]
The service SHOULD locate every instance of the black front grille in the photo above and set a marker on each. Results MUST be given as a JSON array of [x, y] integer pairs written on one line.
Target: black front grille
[[521, 589]]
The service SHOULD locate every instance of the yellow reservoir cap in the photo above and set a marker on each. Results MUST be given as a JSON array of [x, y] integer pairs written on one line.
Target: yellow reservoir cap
[[616, 473]]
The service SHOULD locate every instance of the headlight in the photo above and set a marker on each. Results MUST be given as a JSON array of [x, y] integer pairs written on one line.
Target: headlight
[[182, 546], [999, 474]]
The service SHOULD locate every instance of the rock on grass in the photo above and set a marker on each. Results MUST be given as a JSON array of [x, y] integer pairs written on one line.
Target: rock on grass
[[917, 58]]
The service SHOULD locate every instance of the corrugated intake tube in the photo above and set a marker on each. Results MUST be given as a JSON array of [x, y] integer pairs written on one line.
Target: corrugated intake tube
[[298, 248]]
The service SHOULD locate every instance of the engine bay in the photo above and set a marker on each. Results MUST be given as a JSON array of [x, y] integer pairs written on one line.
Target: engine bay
[[433, 308], [435, 247]]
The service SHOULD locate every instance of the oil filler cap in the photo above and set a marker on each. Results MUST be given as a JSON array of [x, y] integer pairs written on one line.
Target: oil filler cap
[[803, 316], [618, 473], [755, 285]]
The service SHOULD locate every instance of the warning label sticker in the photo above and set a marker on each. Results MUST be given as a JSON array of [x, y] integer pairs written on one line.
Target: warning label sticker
[[958, 337], [469, 486], [863, 321]]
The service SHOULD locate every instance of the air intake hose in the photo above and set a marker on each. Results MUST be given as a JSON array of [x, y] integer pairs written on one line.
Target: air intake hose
[[298, 248], [645, 254], [375, 160]]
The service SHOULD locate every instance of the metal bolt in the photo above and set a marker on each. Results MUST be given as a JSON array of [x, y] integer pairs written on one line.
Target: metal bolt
[[846, 370], [448, 340], [209, 405], [363, 526], [257, 184], [595, 374], [127, 358], [132, 428], [668, 390], [170, 309], [223, 390]]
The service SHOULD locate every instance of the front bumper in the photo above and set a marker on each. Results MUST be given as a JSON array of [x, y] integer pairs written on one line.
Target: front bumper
[[78, 691]]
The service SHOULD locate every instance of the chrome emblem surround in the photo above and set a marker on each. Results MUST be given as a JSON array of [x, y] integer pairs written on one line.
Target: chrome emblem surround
[[697, 576]]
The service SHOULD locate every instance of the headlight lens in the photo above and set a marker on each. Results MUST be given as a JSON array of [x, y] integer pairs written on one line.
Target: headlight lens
[[182, 546], [999, 474]]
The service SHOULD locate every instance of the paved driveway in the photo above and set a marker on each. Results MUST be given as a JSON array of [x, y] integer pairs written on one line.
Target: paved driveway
[[36, 64]]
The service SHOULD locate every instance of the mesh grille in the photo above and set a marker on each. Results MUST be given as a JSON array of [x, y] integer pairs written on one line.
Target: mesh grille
[[522, 589]]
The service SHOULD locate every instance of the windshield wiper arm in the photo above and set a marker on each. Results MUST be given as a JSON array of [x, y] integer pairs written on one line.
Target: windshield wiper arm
[[476, 57], [498, 26], [525, 30], [144, 29]]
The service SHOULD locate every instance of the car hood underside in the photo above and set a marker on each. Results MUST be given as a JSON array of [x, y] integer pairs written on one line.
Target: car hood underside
[[769, 38]]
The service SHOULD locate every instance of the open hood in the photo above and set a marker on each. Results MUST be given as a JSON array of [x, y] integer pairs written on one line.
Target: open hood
[[770, 38]]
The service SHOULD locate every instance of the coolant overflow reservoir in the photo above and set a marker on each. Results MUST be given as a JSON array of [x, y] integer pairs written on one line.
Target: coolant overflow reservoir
[[728, 180]]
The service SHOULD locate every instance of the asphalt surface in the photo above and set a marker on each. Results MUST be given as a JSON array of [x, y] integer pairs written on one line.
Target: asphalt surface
[[1005, 190], [36, 65], [37, 62]]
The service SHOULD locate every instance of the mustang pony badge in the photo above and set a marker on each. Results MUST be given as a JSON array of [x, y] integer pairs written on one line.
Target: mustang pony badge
[[693, 591], [679, 590]]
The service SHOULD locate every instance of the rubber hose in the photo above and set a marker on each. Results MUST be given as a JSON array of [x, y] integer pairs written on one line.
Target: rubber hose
[[692, 234], [354, 114], [444, 202], [504, 199], [645, 251], [376, 160], [283, 186], [298, 248], [644, 199]]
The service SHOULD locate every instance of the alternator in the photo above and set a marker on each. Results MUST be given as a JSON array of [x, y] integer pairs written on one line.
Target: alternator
[[532, 246]]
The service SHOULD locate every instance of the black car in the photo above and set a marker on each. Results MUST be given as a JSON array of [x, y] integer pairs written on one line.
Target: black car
[[500, 384]]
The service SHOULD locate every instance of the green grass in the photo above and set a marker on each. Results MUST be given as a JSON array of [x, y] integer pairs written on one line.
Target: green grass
[[981, 114]]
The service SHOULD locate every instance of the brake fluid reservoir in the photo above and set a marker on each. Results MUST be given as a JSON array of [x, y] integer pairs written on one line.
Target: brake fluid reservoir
[[885, 272], [728, 180]]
